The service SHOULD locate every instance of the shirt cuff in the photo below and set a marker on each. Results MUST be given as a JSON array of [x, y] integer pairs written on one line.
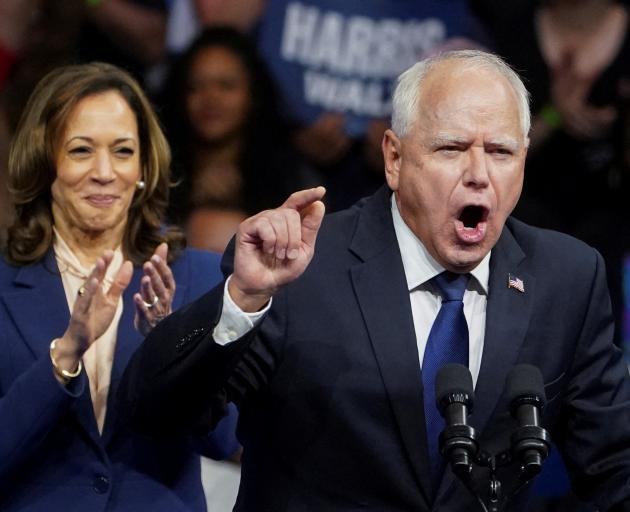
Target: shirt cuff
[[235, 322]]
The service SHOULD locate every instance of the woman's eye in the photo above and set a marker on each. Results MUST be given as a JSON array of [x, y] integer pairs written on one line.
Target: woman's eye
[[80, 151], [124, 151]]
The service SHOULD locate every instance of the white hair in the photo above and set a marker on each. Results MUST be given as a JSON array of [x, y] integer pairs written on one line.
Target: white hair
[[409, 84]]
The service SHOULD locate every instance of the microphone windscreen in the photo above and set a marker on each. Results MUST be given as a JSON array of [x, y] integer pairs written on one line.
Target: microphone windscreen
[[453, 378], [525, 380]]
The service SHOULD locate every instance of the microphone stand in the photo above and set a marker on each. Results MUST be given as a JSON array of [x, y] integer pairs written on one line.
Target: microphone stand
[[458, 444], [495, 487], [531, 464]]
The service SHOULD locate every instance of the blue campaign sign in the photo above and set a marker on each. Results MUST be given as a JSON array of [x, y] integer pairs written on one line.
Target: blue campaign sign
[[343, 55]]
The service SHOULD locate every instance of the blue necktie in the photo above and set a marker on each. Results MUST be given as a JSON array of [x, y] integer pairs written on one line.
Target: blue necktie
[[447, 343]]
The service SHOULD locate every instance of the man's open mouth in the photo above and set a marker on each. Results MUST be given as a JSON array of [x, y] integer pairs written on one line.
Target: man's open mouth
[[472, 215]]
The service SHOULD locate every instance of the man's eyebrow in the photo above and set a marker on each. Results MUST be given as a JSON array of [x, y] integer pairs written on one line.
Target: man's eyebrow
[[446, 139], [504, 142]]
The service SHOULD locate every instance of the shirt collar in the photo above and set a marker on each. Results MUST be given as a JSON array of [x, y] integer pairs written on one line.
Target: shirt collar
[[68, 262], [419, 265]]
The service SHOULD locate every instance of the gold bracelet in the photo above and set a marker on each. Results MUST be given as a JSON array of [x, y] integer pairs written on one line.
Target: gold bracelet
[[65, 374]]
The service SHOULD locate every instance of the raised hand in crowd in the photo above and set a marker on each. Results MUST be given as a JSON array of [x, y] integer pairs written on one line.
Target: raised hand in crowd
[[570, 88]]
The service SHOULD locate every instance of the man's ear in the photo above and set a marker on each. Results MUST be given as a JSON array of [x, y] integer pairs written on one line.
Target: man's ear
[[392, 156]]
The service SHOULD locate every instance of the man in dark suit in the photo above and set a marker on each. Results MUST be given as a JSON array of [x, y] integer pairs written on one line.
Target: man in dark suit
[[329, 375]]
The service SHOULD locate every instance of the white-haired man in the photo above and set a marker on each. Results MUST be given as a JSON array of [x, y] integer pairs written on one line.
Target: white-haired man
[[332, 380]]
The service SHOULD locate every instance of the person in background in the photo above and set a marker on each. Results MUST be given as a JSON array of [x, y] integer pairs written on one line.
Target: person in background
[[187, 18], [232, 153], [15, 20], [88, 270], [128, 33], [575, 56]]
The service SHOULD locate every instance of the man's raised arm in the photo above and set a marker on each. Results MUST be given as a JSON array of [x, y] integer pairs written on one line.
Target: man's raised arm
[[176, 380]]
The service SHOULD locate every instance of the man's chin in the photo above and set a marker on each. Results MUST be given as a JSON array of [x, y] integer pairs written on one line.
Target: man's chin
[[464, 259]]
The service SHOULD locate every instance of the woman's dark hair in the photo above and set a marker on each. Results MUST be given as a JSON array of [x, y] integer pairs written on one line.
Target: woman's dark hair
[[265, 161], [32, 163]]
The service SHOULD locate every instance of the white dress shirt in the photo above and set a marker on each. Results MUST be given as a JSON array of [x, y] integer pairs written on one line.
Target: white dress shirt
[[420, 267], [234, 322]]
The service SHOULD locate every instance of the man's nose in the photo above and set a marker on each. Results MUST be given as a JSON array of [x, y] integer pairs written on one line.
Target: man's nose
[[476, 172]]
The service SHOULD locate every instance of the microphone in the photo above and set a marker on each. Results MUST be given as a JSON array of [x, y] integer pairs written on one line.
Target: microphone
[[455, 396], [530, 443]]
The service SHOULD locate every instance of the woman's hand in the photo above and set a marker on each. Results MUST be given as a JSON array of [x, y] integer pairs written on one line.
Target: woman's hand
[[157, 289], [93, 312]]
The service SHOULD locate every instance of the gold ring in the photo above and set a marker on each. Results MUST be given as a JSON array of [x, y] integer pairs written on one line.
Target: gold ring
[[81, 291], [149, 305]]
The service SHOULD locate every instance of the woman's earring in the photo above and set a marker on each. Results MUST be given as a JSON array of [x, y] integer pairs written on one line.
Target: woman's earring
[[140, 184]]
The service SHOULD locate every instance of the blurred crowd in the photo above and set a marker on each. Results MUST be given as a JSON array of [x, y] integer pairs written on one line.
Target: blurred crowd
[[259, 98]]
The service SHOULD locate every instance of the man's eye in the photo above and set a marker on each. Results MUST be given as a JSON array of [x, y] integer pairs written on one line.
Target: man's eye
[[501, 151]]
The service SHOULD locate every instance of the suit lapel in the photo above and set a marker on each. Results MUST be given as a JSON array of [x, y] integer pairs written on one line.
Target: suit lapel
[[39, 308], [381, 289], [37, 304], [507, 319]]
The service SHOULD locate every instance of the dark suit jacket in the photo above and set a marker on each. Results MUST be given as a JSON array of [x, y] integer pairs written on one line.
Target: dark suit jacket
[[51, 454], [330, 390]]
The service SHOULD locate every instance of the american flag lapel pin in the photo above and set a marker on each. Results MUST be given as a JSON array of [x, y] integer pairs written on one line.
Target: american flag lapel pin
[[516, 283]]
